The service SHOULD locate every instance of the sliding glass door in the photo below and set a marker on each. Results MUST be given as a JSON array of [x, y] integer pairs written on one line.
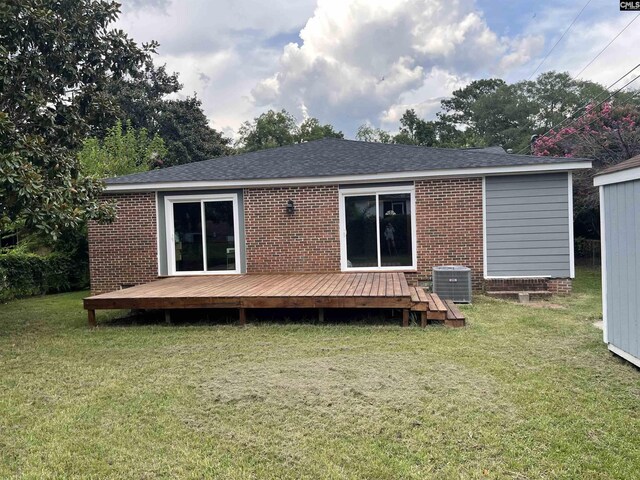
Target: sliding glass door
[[202, 234], [378, 229]]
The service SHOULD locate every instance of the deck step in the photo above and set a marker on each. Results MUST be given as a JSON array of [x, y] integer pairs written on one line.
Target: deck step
[[515, 295], [455, 318], [433, 308]]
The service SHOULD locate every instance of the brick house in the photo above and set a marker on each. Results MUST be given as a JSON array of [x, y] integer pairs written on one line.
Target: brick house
[[338, 205]]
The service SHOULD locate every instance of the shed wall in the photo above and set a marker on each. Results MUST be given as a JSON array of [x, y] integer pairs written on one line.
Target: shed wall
[[622, 273], [528, 226]]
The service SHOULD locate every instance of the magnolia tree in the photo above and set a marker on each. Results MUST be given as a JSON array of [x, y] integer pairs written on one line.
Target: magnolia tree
[[608, 135], [56, 59]]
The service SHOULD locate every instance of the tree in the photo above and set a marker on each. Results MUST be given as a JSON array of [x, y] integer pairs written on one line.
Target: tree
[[143, 100], [608, 135], [555, 96], [415, 131], [56, 59], [185, 129], [270, 129], [312, 129], [121, 152], [489, 112], [137, 99], [368, 133], [460, 109], [276, 129]]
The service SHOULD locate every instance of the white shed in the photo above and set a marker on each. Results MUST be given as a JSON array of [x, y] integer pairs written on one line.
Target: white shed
[[620, 237]]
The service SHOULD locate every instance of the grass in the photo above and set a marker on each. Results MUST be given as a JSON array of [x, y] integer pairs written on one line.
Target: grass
[[522, 392]]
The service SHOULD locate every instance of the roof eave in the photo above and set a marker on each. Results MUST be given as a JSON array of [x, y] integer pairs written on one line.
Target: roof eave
[[618, 176]]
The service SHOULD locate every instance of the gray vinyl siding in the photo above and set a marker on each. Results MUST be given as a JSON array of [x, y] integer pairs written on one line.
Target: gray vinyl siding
[[527, 225], [622, 275]]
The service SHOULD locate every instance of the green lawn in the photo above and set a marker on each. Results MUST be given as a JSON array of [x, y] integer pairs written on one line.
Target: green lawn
[[522, 392]]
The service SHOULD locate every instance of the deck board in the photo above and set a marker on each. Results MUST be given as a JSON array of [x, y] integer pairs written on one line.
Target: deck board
[[267, 285], [295, 290]]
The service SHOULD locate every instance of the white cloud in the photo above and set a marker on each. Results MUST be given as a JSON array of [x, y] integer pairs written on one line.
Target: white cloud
[[220, 49], [358, 58], [523, 50], [437, 85], [351, 61], [595, 28]]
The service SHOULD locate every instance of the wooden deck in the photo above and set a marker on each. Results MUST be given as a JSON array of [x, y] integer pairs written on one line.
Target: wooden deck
[[304, 290]]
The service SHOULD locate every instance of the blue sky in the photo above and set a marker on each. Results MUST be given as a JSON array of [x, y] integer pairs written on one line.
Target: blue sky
[[350, 62]]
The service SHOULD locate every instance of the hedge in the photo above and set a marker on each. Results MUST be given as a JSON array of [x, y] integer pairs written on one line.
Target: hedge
[[26, 274]]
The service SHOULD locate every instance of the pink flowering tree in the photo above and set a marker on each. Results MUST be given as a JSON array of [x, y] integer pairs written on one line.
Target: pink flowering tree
[[608, 135]]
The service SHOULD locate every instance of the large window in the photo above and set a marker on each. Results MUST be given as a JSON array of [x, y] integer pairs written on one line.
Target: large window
[[202, 234], [378, 228]]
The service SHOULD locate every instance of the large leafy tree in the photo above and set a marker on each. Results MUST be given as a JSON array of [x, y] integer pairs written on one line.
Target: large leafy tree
[[121, 151], [312, 129], [460, 109], [416, 131], [555, 96], [186, 131], [276, 129], [488, 112], [56, 58], [270, 129], [145, 101], [492, 112], [137, 99], [369, 133]]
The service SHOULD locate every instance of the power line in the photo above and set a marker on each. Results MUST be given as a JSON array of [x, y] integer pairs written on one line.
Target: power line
[[561, 37], [574, 120], [591, 101], [574, 77], [596, 118], [607, 46]]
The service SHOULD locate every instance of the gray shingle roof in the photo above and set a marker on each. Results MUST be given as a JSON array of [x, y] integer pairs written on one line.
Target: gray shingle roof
[[633, 162], [333, 157]]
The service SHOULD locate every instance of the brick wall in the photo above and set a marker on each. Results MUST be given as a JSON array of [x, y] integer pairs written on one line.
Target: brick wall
[[448, 219], [449, 225], [125, 251], [560, 286], [516, 284], [306, 241]]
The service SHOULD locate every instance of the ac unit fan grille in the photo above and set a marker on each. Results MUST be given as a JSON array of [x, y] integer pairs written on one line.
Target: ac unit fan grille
[[452, 283]]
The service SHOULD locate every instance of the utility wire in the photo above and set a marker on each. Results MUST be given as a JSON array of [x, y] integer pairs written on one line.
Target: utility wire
[[607, 90], [594, 119], [574, 120], [561, 37], [607, 46], [574, 77]]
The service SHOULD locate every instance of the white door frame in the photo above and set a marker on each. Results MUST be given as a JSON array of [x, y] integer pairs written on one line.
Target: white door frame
[[170, 231], [377, 191]]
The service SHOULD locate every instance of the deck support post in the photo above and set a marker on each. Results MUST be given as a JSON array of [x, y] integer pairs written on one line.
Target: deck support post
[[91, 316], [423, 319], [321, 315], [242, 319], [405, 317], [167, 317]]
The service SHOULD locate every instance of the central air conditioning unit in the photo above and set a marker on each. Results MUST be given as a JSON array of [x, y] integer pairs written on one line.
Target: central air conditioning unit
[[452, 283]]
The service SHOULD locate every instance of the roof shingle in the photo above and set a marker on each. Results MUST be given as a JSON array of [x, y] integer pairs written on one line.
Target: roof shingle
[[333, 157], [633, 162]]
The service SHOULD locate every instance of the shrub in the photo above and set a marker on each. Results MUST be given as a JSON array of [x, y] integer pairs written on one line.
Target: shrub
[[25, 274]]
